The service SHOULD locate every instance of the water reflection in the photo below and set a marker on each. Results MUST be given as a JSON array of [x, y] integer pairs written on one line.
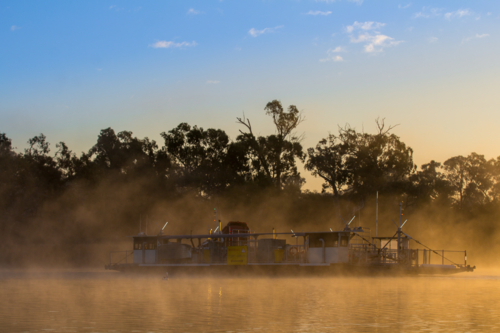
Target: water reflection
[[109, 302]]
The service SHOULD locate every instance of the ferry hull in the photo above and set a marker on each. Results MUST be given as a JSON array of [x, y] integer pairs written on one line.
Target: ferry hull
[[285, 270]]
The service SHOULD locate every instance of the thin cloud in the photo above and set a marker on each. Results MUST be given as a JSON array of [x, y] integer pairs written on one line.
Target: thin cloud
[[213, 82], [375, 43], [254, 32], [318, 12], [333, 56], [163, 44], [115, 7], [428, 12], [433, 40], [457, 14], [336, 58], [364, 26], [192, 11], [477, 36], [404, 6], [373, 40], [14, 28]]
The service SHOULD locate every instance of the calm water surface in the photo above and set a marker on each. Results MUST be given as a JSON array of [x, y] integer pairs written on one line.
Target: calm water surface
[[111, 302]]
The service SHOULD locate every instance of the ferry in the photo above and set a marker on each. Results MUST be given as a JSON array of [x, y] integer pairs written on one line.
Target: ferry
[[237, 250]]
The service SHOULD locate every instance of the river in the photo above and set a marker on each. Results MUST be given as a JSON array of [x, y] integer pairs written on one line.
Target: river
[[95, 301]]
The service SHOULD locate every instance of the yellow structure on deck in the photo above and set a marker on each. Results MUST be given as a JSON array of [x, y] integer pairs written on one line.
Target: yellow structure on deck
[[237, 255]]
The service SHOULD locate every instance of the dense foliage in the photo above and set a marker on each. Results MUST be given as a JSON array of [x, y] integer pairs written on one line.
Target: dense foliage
[[122, 178]]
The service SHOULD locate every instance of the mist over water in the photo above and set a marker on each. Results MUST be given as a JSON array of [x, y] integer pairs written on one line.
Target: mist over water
[[76, 301]]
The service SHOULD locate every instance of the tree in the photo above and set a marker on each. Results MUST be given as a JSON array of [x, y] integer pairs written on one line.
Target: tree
[[8, 171], [65, 160], [8, 159], [107, 151], [205, 160], [273, 158], [359, 164], [429, 185], [472, 179], [380, 162], [40, 166], [125, 155]]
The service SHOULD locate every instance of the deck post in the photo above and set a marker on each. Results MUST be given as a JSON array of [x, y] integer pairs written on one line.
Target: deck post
[[143, 252], [305, 250], [324, 252]]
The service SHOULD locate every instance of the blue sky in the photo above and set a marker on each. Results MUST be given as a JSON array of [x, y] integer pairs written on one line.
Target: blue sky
[[71, 68]]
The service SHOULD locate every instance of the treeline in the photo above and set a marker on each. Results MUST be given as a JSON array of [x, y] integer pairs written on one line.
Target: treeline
[[122, 178]]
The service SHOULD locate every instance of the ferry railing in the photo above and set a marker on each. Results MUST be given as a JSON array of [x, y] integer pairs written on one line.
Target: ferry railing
[[440, 257], [125, 258], [364, 253]]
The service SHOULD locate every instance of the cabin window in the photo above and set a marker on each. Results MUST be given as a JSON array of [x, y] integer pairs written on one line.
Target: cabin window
[[149, 244], [330, 239]]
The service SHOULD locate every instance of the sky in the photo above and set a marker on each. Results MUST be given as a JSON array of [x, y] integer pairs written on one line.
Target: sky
[[71, 68]]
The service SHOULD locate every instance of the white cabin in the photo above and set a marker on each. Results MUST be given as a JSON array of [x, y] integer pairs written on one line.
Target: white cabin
[[328, 247]]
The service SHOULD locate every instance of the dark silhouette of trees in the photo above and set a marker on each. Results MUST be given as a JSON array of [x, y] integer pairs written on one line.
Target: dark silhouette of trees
[[204, 160], [357, 165], [430, 185], [273, 158], [85, 197], [473, 180]]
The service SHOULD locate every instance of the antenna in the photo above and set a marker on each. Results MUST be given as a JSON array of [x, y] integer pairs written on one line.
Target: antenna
[[161, 229], [399, 229], [351, 220], [215, 217], [400, 212], [407, 235], [347, 224], [344, 221], [376, 216]]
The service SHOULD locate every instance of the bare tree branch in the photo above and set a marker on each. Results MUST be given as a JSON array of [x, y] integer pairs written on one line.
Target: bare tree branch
[[245, 122], [255, 145], [381, 124]]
